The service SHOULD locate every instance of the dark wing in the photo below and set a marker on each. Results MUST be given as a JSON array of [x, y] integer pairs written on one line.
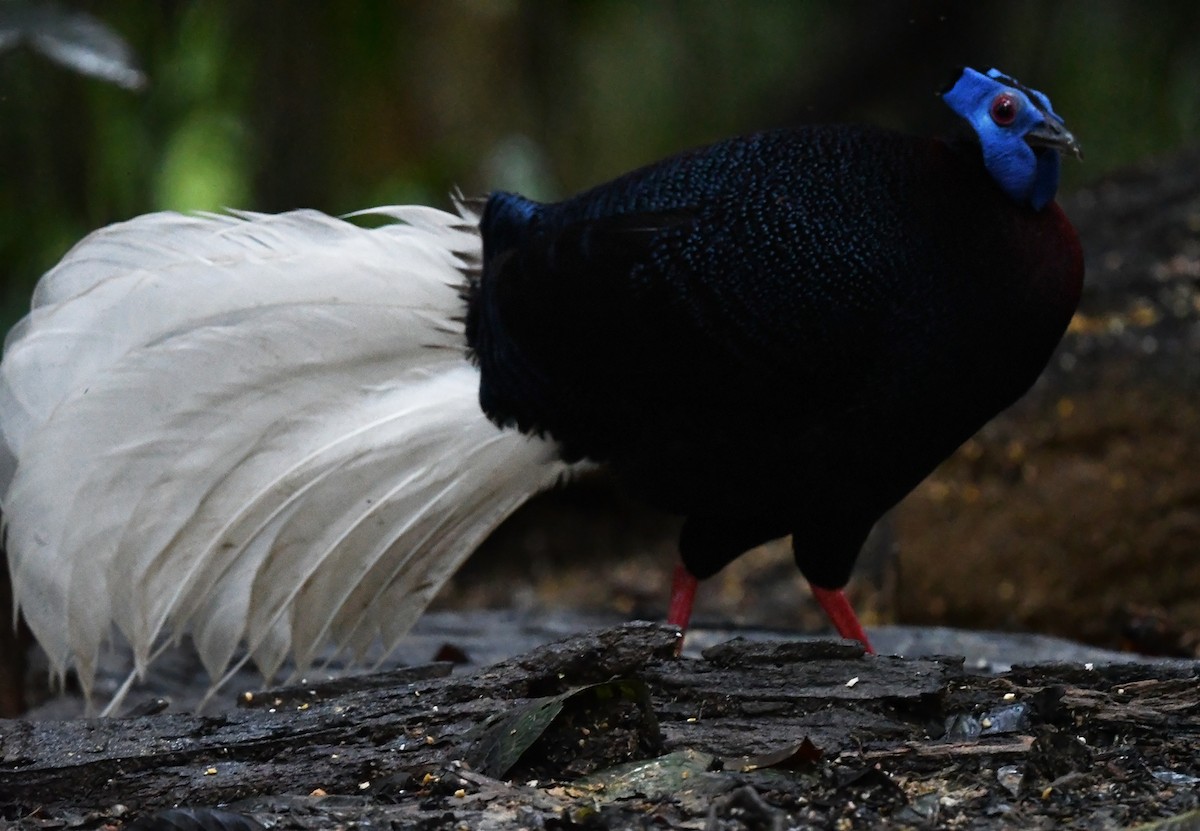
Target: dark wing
[[735, 288]]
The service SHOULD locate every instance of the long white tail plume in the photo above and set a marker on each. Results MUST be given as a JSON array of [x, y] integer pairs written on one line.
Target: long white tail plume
[[260, 429]]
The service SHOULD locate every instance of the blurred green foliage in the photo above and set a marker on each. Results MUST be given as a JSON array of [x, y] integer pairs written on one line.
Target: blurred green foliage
[[271, 105]]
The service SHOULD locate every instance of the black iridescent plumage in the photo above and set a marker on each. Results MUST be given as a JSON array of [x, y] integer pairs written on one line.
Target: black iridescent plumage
[[778, 334]]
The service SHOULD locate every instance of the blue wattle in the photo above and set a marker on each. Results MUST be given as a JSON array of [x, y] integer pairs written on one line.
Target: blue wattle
[[1045, 185]]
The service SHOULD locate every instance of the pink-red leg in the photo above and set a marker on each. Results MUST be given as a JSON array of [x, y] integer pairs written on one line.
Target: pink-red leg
[[841, 615], [683, 596]]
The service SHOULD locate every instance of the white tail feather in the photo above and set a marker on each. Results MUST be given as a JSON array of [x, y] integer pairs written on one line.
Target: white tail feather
[[260, 429]]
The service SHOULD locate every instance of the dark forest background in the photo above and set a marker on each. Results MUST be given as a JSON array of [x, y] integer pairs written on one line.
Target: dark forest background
[[274, 105]]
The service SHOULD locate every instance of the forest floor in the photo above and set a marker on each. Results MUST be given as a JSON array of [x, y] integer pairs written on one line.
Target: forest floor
[[610, 730], [1076, 514]]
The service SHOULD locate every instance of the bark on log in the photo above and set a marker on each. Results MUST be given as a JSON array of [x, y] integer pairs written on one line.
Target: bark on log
[[890, 742]]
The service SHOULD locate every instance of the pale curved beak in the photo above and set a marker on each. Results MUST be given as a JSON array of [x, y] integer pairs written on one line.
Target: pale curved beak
[[1051, 133]]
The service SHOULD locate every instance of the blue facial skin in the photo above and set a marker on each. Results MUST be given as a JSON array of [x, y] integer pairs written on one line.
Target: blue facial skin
[[1019, 131]]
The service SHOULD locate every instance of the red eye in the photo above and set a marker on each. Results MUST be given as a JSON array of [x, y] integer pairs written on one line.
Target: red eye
[[1004, 109]]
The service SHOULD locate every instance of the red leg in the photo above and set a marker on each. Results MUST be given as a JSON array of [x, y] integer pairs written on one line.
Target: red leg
[[683, 595], [841, 615]]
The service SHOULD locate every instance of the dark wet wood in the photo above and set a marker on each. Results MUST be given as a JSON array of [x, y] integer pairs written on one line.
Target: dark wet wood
[[386, 747]]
